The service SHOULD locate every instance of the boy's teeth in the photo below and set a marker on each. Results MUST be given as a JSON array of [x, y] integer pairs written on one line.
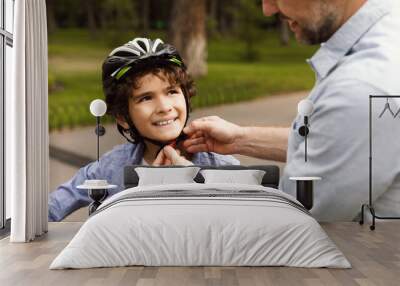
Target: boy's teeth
[[161, 123]]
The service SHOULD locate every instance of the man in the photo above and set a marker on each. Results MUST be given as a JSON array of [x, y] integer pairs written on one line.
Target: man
[[359, 56]]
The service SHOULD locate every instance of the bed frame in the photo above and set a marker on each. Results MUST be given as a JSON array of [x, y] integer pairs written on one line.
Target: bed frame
[[270, 179]]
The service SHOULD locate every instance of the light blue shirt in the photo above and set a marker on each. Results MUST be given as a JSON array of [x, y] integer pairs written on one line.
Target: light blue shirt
[[362, 58], [67, 198]]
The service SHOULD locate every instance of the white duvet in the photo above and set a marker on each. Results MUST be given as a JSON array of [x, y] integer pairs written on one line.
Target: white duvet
[[200, 224]]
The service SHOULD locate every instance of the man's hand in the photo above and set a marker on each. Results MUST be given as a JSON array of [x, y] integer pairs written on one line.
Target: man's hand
[[169, 156], [212, 134]]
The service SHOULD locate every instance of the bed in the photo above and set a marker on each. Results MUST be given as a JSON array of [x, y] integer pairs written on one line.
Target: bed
[[201, 223]]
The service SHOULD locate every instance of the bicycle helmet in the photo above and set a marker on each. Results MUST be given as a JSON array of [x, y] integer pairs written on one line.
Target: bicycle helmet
[[133, 55]]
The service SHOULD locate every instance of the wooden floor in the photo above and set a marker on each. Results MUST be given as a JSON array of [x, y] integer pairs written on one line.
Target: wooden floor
[[374, 255]]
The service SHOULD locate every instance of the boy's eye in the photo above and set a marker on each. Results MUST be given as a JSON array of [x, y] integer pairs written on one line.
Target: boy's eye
[[173, 91], [144, 98]]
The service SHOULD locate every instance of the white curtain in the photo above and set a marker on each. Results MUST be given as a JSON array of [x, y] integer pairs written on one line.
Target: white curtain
[[27, 155]]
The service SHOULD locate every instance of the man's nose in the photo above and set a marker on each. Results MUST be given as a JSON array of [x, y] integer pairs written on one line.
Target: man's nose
[[269, 7]]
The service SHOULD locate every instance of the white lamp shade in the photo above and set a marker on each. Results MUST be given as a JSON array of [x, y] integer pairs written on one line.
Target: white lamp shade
[[305, 107], [98, 107]]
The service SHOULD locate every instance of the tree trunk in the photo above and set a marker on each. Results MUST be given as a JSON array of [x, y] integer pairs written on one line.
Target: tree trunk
[[188, 34], [284, 33], [145, 16], [212, 16], [91, 17], [224, 17], [51, 21], [213, 9]]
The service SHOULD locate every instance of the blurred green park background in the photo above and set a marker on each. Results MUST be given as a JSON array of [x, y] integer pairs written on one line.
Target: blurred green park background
[[246, 57]]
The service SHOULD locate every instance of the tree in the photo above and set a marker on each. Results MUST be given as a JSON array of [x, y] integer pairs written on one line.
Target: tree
[[212, 19], [90, 10], [248, 17], [187, 32], [284, 33], [145, 15], [117, 18], [51, 21], [225, 15]]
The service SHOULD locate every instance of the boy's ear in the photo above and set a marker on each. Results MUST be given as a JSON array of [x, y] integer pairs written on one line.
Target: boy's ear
[[121, 121]]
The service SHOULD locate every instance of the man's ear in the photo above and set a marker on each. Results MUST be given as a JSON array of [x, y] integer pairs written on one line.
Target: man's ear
[[121, 121]]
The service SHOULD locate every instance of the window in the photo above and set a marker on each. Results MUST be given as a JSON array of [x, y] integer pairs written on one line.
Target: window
[[9, 16], [6, 62]]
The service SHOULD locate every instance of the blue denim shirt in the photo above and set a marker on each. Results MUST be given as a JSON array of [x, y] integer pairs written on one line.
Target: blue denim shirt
[[67, 198]]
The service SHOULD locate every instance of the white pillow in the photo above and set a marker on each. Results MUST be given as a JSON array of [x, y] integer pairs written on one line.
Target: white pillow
[[167, 175], [249, 177]]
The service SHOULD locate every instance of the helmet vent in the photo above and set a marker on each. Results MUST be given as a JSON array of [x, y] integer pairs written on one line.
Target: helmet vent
[[142, 45], [124, 54], [157, 45]]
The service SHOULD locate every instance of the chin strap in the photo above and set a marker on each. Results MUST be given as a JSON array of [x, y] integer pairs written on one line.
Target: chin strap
[[140, 138], [174, 142]]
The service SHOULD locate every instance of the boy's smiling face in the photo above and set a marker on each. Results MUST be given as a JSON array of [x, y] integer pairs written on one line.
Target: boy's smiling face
[[157, 108]]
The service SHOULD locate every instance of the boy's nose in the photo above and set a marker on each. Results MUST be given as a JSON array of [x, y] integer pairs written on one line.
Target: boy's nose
[[164, 105], [269, 7]]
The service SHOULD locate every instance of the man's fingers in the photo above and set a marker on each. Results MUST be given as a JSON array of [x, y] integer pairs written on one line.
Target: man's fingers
[[201, 124], [197, 148], [196, 134], [196, 141]]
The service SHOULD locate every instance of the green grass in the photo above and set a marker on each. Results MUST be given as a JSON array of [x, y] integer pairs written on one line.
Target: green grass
[[75, 72], [233, 82]]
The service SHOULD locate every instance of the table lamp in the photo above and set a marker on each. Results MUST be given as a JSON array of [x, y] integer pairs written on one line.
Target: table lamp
[[304, 185], [97, 189]]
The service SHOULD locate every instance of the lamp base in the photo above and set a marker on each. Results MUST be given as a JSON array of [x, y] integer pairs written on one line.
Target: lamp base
[[305, 193], [97, 195], [305, 190]]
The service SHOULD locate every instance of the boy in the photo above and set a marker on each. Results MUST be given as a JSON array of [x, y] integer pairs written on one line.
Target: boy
[[148, 92]]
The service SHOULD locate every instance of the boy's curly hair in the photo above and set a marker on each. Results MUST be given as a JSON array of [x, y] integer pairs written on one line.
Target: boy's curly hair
[[118, 93]]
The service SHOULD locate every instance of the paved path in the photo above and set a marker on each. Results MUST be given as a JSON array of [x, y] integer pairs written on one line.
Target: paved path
[[275, 110]]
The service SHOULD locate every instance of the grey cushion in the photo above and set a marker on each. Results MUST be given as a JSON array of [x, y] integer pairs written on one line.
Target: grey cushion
[[270, 179], [164, 175]]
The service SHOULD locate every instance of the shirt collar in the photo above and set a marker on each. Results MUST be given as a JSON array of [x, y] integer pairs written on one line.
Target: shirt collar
[[137, 153], [331, 52], [199, 158]]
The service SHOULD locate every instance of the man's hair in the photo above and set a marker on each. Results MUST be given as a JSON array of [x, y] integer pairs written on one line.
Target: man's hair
[[117, 93]]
